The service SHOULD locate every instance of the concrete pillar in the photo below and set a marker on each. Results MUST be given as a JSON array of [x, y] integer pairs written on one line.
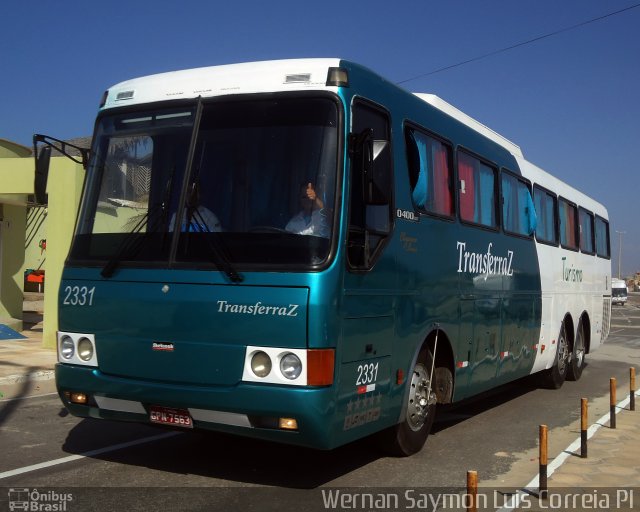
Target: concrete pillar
[[12, 231], [64, 189]]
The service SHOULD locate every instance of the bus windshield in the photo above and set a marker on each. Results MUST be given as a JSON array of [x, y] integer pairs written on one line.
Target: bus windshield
[[259, 188]]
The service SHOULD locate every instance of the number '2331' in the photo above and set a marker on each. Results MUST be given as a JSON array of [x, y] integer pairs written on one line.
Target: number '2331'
[[367, 374], [78, 296]]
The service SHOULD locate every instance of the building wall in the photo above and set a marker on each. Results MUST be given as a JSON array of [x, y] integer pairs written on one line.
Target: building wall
[[35, 253], [64, 188], [10, 149], [16, 184], [12, 229]]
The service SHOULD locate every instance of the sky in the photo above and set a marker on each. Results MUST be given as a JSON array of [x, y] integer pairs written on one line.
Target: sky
[[570, 101]]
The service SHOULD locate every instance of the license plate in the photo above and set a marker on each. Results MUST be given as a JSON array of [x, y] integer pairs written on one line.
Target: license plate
[[173, 417]]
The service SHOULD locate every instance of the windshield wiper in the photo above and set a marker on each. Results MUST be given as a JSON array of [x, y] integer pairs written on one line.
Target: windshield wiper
[[130, 245], [220, 257]]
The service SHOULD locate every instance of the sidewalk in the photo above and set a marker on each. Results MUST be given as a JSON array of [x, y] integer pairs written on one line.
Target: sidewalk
[[613, 457], [26, 360]]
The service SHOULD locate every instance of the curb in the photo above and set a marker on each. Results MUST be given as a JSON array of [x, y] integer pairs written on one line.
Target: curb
[[570, 450], [28, 377]]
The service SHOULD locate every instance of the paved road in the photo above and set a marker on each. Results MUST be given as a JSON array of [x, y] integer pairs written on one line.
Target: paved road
[[495, 435]]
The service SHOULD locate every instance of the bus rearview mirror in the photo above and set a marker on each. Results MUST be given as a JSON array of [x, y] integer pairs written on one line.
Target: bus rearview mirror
[[43, 159]]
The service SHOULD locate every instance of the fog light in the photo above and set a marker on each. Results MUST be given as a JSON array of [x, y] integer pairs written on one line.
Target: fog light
[[288, 424], [78, 398], [291, 366], [85, 349], [261, 364], [67, 347]]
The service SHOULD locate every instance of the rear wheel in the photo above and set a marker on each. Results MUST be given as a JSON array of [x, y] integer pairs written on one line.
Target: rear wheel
[[574, 371], [409, 436], [555, 376]]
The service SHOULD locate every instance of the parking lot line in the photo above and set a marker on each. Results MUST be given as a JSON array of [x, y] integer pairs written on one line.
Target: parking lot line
[[91, 453]]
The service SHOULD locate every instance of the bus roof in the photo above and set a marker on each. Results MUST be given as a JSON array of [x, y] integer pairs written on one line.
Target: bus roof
[[248, 77], [449, 109]]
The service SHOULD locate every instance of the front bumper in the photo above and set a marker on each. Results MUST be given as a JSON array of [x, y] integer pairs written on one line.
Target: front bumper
[[245, 409]]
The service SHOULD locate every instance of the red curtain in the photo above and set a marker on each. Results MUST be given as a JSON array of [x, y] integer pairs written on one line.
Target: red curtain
[[443, 200], [467, 198]]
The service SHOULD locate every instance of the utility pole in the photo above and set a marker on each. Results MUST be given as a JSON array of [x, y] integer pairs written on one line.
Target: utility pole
[[620, 233]]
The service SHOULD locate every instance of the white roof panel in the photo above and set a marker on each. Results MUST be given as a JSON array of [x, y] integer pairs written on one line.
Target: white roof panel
[[449, 109], [249, 77]]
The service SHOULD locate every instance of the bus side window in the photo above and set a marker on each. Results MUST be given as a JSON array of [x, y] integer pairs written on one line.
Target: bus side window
[[568, 225], [586, 231], [429, 163], [369, 223], [602, 238], [476, 191], [547, 219], [518, 212]]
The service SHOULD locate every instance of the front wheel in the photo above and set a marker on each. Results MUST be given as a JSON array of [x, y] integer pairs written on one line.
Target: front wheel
[[408, 437]]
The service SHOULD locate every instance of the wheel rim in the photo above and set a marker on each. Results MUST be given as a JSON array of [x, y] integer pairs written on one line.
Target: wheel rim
[[563, 353], [419, 401]]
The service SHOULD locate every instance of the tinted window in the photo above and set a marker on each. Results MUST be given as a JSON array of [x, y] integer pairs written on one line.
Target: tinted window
[[547, 220], [586, 231], [429, 173], [568, 223], [260, 191], [476, 192], [603, 248], [369, 224], [518, 212]]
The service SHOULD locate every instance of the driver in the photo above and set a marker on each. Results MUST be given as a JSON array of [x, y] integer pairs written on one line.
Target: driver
[[310, 220]]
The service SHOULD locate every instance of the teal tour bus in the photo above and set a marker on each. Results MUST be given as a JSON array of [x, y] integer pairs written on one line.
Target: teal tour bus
[[303, 252]]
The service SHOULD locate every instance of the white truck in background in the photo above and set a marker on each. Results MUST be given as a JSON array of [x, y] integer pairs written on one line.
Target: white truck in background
[[618, 292]]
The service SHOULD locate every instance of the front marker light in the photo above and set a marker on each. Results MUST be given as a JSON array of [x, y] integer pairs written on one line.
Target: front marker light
[[85, 349], [320, 366], [67, 347], [291, 366], [261, 364]]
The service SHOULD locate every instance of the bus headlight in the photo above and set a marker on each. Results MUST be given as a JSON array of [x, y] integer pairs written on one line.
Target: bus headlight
[[67, 347], [291, 366], [77, 348], [85, 349], [261, 364]]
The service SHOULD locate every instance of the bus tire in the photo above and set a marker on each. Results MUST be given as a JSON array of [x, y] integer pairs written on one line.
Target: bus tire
[[574, 370], [408, 437], [555, 376]]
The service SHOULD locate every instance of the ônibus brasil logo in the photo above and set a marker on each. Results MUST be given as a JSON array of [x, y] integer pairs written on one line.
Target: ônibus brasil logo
[[40, 501]]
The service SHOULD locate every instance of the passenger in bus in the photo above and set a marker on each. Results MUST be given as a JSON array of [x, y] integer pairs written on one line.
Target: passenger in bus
[[202, 220], [197, 218], [311, 219]]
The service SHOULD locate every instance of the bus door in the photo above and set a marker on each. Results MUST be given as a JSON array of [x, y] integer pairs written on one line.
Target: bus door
[[370, 279]]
